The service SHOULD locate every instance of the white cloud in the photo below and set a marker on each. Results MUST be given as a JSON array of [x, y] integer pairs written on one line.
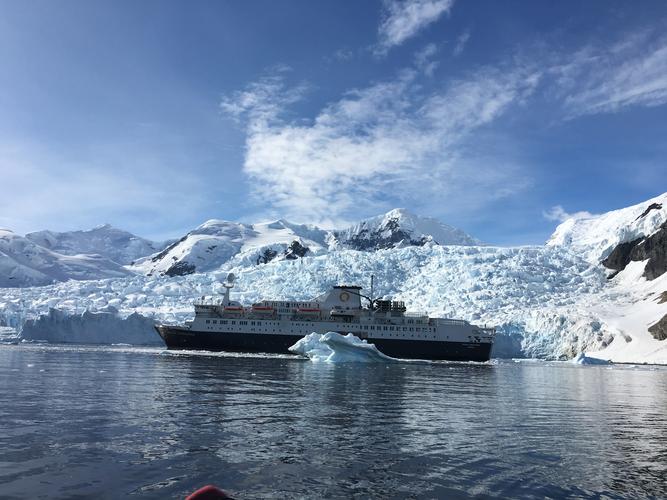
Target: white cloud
[[388, 140], [262, 101], [403, 19], [602, 79], [558, 213], [424, 59], [461, 42]]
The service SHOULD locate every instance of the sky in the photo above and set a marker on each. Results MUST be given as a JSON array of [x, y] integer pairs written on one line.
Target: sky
[[501, 118]]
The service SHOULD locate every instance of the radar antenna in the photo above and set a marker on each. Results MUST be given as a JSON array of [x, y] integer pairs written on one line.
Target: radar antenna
[[228, 284]]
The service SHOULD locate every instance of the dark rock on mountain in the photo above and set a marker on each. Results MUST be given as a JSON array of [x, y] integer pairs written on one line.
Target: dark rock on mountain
[[296, 250], [180, 269], [267, 256], [652, 248], [164, 252], [652, 206], [659, 330]]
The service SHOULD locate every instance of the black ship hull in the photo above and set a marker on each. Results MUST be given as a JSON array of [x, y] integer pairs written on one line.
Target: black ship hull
[[183, 338]]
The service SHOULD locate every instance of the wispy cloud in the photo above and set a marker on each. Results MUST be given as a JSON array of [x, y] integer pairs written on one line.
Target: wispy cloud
[[558, 213], [395, 140], [388, 137], [403, 19], [424, 59], [461, 43], [603, 79]]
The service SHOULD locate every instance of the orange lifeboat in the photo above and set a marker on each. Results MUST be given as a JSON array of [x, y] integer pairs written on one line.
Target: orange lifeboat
[[261, 309], [233, 309]]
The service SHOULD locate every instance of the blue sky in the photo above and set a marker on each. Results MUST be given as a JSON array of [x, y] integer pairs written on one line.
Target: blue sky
[[497, 117]]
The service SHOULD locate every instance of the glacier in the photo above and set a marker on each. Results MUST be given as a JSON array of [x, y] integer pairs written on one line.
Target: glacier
[[533, 294], [550, 301]]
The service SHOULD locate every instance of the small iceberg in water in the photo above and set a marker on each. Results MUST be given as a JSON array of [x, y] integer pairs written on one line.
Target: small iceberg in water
[[582, 359], [333, 347]]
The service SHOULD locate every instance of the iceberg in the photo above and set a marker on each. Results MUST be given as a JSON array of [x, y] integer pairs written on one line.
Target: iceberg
[[333, 347], [582, 359], [105, 327]]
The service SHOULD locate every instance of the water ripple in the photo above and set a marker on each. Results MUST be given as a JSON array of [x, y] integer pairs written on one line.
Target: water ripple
[[107, 423]]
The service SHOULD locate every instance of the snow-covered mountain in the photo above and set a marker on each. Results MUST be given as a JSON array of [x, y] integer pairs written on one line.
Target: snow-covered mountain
[[595, 237], [109, 242], [216, 242], [25, 263], [399, 227]]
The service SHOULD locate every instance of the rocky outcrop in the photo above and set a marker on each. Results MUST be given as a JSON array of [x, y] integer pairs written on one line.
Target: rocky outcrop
[[659, 330], [163, 253], [296, 250], [266, 256], [652, 248], [180, 269], [652, 206]]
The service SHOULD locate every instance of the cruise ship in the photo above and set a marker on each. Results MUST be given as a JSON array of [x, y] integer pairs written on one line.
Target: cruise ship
[[272, 326]]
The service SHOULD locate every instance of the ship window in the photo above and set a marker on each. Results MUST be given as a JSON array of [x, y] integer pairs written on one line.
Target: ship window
[[233, 322], [208, 321]]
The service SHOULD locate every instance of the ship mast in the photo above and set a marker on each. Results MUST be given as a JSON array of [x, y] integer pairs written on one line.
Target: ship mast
[[372, 308]]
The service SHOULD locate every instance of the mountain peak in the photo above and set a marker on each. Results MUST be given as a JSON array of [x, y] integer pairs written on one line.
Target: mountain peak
[[400, 227]]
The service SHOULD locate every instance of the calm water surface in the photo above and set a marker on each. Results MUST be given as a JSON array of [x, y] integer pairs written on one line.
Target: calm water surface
[[110, 423]]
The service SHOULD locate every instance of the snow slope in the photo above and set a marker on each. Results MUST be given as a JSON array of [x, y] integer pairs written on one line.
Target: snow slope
[[631, 242], [109, 242], [24, 263], [398, 227], [629, 317], [596, 236]]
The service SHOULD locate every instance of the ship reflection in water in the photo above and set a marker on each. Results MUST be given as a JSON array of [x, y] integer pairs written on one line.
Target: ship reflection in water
[[102, 422]]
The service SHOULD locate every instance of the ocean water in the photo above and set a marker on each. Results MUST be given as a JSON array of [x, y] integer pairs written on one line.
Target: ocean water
[[85, 422]]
